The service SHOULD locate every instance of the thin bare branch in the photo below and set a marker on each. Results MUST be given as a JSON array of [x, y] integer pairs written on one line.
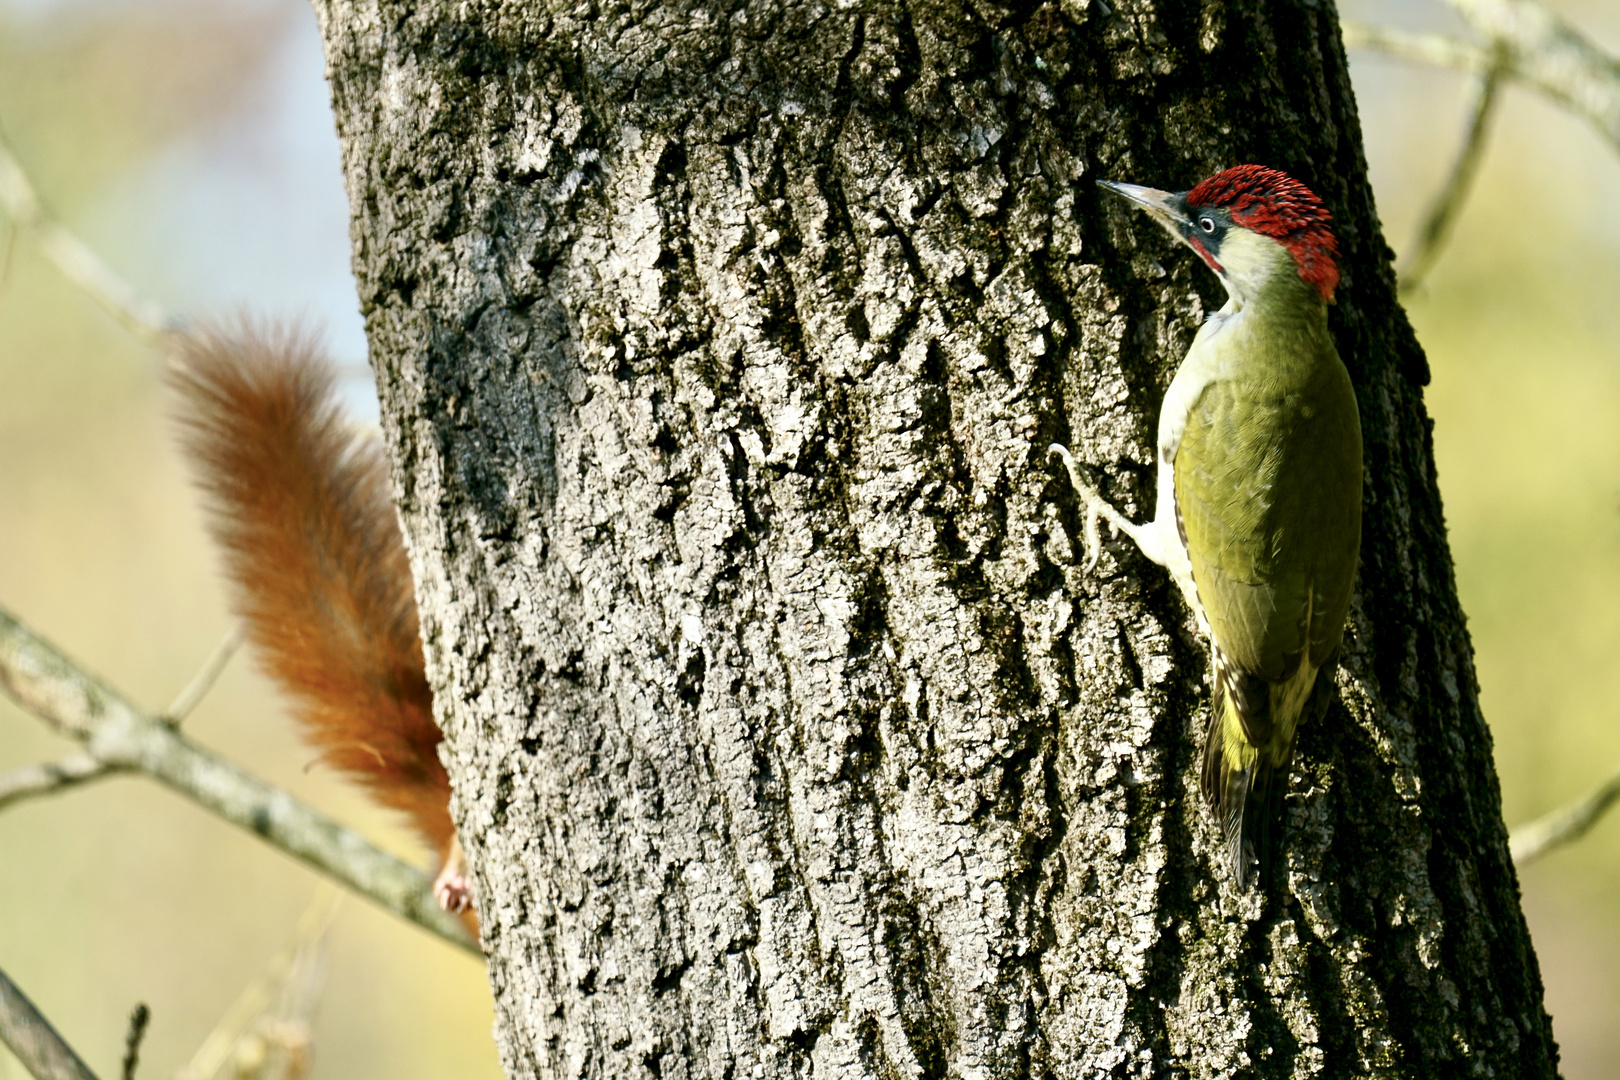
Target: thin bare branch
[[1551, 55], [293, 975], [1432, 49], [1442, 213], [120, 735], [44, 1053], [132, 1041], [75, 259], [8, 259], [1530, 842], [47, 778], [1436, 50], [1537, 48], [206, 676]]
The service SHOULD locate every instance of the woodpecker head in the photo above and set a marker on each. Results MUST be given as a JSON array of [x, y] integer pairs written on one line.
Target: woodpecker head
[[1251, 225]]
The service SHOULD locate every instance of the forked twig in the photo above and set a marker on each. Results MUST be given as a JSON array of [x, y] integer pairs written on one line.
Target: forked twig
[[1537, 48], [206, 676], [50, 777], [119, 735], [47, 778], [1551, 55]]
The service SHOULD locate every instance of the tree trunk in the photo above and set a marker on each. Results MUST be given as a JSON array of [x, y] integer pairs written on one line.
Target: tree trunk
[[719, 350]]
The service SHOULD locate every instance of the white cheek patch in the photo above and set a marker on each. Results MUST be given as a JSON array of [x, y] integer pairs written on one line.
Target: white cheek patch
[[1251, 261]]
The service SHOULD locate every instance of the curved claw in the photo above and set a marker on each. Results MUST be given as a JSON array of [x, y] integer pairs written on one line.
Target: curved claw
[[1097, 508]]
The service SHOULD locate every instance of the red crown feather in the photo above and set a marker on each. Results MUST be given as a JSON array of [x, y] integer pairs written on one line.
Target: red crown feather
[[1274, 204]]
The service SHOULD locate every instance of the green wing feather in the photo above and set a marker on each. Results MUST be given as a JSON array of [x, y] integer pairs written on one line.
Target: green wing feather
[[1268, 493]]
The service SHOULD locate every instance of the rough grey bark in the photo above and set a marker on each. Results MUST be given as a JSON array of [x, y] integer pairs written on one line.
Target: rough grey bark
[[719, 348]]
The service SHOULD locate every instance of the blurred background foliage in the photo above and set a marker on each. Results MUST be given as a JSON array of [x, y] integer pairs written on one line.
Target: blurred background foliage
[[190, 143]]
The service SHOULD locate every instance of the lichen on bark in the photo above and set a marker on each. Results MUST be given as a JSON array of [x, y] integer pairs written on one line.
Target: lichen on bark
[[719, 348]]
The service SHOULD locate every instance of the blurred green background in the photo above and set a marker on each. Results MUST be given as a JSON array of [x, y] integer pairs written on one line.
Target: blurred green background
[[191, 145]]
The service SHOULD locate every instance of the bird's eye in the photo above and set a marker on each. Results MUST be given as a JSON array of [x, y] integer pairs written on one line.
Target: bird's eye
[[1207, 224]]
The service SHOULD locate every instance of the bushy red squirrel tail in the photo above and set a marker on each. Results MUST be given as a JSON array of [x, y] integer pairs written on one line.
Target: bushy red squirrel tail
[[298, 501]]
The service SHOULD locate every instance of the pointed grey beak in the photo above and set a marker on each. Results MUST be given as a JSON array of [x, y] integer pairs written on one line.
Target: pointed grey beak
[[1167, 207]]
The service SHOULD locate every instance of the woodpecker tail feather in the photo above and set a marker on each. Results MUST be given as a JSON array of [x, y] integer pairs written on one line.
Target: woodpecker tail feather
[[1235, 793], [299, 503], [1246, 800], [1248, 750]]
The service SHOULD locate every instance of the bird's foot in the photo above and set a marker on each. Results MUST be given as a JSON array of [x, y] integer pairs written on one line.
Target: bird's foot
[[1098, 509]]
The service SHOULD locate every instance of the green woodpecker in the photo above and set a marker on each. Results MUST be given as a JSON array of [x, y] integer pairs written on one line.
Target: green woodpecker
[[1259, 483]]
